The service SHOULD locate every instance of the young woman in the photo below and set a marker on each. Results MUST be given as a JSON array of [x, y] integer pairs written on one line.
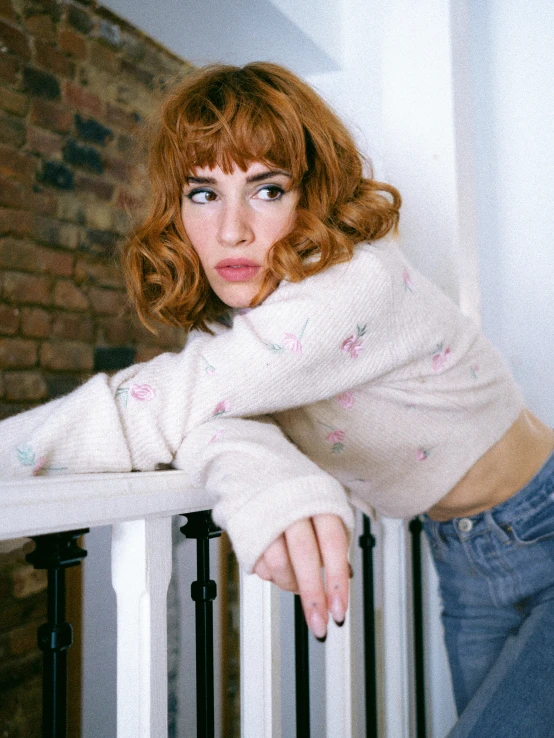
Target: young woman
[[269, 244]]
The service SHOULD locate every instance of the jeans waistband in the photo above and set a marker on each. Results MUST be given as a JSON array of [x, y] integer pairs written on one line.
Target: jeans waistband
[[528, 497]]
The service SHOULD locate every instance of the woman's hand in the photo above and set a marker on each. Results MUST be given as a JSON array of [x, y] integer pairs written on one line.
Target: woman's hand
[[294, 562]]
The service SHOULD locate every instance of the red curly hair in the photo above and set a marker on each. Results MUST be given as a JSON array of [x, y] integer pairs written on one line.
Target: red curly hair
[[224, 116]]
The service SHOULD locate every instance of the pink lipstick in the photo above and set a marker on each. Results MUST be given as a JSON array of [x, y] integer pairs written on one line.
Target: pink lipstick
[[237, 270]]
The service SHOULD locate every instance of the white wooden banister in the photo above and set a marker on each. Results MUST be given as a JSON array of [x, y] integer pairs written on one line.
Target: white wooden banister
[[141, 569]]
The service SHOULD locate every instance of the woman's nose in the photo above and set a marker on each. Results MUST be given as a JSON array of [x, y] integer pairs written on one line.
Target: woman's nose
[[235, 227]]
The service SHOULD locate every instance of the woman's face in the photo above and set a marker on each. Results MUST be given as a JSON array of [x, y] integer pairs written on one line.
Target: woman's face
[[232, 220]]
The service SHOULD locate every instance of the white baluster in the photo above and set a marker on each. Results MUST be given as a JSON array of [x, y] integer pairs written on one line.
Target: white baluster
[[338, 680], [141, 568], [260, 659], [395, 689]]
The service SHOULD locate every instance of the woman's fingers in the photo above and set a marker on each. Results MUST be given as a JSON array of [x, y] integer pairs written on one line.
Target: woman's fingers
[[333, 545], [294, 562], [276, 558], [306, 560]]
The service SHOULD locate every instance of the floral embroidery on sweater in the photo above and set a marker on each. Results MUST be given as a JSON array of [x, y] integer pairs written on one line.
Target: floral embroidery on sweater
[[346, 400], [209, 369], [440, 357], [217, 435], [291, 342], [406, 278], [474, 371], [27, 457], [422, 454], [139, 392], [221, 408], [335, 438], [354, 344]]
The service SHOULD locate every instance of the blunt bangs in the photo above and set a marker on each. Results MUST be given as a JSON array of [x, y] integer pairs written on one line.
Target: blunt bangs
[[237, 119]]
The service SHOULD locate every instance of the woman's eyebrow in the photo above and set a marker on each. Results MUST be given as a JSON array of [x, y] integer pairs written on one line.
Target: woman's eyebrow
[[254, 178]]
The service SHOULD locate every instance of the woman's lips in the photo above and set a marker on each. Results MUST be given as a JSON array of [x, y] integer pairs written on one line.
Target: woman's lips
[[237, 270]]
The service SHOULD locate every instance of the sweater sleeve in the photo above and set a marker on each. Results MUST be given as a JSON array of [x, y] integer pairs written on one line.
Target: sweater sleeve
[[259, 482], [307, 342]]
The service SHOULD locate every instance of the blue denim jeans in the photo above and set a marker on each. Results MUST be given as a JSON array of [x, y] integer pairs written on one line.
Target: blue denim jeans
[[496, 574]]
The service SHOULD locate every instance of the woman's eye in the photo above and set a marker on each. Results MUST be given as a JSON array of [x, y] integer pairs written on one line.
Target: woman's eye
[[202, 196], [270, 192]]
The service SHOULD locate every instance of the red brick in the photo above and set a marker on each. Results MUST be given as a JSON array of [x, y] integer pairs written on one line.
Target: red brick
[[94, 186], [11, 194], [103, 274], [44, 142], [15, 222], [54, 233], [50, 115], [73, 44], [41, 26], [28, 581], [14, 41], [27, 288], [114, 331], [51, 58], [42, 202], [73, 327], [69, 296], [28, 257], [35, 323], [7, 11], [82, 99], [121, 118], [17, 353], [117, 168], [23, 639], [9, 68], [13, 102], [12, 130], [102, 57], [9, 320], [25, 386], [60, 355], [106, 302], [16, 164]]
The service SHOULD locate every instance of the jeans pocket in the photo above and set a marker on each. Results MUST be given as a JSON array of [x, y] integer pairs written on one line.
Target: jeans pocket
[[535, 526]]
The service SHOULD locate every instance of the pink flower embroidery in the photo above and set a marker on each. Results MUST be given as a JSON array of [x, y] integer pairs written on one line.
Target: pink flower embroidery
[[221, 408], [422, 454], [346, 400], [474, 371], [40, 466], [407, 280], [142, 392], [292, 343], [217, 435], [440, 357], [354, 344], [335, 436]]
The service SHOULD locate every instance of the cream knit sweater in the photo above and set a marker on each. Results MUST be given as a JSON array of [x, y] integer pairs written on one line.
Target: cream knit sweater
[[367, 367]]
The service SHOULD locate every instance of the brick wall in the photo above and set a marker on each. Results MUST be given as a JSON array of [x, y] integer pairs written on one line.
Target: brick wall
[[76, 84]]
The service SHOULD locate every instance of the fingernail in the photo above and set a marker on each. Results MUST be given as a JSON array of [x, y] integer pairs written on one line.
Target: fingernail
[[351, 570], [318, 626], [337, 610], [322, 640]]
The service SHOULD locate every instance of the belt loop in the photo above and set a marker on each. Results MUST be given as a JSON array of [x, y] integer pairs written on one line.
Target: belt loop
[[497, 529]]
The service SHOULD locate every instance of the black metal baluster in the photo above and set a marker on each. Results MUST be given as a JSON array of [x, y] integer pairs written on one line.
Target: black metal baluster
[[204, 591], [55, 552], [367, 543], [416, 526], [302, 671]]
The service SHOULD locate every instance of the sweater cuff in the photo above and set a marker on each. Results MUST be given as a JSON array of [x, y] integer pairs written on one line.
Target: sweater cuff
[[269, 513]]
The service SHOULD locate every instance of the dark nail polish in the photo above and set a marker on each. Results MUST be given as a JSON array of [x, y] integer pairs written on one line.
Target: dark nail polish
[[322, 640], [351, 570], [339, 624]]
